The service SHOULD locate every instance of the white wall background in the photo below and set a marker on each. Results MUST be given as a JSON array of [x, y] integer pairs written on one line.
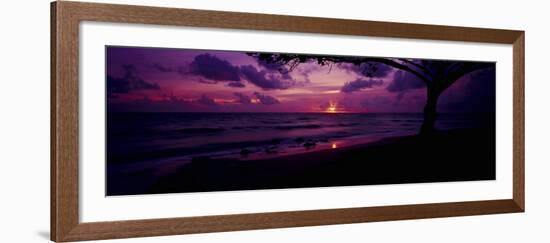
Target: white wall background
[[24, 120]]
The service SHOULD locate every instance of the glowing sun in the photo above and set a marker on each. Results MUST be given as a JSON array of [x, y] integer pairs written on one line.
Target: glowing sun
[[331, 108]]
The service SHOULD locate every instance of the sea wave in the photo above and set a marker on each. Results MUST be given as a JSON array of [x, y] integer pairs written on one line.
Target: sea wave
[[200, 130], [308, 126]]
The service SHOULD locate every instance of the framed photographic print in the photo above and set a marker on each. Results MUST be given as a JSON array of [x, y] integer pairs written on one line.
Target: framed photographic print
[[174, 121]]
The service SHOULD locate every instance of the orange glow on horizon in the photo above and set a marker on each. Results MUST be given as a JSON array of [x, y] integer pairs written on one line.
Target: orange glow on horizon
[[332, 107]]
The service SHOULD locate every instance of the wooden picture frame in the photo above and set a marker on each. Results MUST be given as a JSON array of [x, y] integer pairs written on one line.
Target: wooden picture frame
[[65, 19]]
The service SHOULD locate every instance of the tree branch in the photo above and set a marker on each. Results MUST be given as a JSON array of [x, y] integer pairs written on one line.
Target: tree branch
[[423, 68], [294, 60], [395, 64]]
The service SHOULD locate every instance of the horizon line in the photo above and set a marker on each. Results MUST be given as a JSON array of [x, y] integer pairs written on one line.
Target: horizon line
[[302, 112]]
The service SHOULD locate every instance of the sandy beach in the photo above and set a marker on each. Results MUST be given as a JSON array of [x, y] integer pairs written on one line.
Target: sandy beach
[[457, 155]]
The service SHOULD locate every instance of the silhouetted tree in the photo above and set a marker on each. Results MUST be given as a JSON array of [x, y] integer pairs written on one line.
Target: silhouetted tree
[[436, 74]]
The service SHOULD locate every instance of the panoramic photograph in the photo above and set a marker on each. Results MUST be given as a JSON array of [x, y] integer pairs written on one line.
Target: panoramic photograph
[[189, 120]]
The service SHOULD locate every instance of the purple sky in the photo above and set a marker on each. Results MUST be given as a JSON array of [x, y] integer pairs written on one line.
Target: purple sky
[[183, 80]]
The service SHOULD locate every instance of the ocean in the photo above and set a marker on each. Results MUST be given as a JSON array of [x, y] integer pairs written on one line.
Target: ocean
[[145, 147], [182, 137]]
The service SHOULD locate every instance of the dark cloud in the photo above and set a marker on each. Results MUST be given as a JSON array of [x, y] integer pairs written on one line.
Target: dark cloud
[[183, 70], [403, 81], [236, 85], [168, 103], [130, 82], [282, 70], [266, 99], [171, 98], [213, 68], [117, 85], [262, 79], [306, 69], [242, 98], [163, 68], [272, 66], [205, 100], [200, 80], [275, 68], [369, 69], [359, 84]]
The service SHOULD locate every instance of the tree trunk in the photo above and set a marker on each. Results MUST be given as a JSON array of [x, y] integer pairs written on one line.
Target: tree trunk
[[430, 113]]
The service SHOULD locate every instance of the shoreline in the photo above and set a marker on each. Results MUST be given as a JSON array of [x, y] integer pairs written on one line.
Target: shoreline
[[333, 145], [454, 155], [171, 159]]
